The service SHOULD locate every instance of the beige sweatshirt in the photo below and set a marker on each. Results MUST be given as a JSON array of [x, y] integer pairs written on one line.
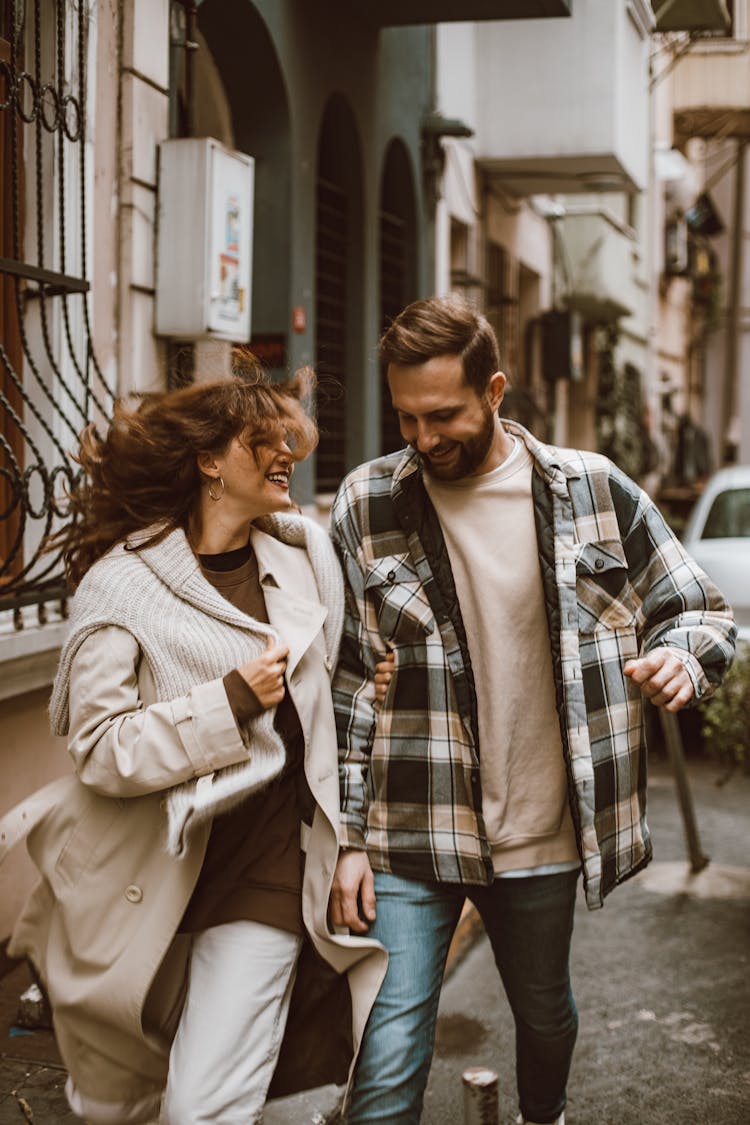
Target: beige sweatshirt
[[488, 525]]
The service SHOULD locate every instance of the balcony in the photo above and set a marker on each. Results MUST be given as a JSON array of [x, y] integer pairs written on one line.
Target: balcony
[[711, 87], [597, 252], [691, 15], [559, 105]]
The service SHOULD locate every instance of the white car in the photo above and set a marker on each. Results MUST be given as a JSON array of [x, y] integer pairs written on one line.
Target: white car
[[717, 535]]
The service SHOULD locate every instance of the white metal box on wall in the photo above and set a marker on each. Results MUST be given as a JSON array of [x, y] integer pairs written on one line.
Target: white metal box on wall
[[204, 240]]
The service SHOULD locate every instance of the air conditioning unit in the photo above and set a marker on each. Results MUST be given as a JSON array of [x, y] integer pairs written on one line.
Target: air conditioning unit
[[204, 241]]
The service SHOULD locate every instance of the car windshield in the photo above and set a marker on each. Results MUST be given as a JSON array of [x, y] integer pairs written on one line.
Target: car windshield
[[729, 517]]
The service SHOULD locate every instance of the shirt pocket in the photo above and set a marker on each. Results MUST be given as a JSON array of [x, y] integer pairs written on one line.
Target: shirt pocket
[[397, 594], [603, 587]]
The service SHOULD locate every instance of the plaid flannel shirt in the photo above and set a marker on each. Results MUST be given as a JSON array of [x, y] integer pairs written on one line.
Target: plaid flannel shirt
[[617, 584]]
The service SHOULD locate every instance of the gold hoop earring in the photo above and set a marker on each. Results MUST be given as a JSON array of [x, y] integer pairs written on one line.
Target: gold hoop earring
[[211, 488]]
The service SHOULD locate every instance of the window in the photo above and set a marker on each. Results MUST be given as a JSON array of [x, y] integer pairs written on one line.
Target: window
[[502, 308], [50, 382], [729, 517], [11, 403]]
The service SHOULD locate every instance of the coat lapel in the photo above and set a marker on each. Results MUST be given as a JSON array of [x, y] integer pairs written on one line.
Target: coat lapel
[[287, 580], [296, 620]]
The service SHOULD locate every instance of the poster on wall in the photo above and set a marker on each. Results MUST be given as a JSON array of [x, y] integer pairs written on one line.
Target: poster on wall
[[231, 250], [230, 293]]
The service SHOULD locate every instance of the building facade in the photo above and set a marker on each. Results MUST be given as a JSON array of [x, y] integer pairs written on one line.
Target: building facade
[[335, 105], [575, 211]]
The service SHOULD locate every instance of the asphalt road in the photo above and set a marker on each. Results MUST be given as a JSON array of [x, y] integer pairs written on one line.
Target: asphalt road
[[661, 977]]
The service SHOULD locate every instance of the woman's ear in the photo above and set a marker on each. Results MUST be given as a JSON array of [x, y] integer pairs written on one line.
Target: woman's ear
[[206, 462]]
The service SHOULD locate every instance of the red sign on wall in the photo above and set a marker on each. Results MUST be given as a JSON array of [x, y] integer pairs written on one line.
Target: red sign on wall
[[269, 350]]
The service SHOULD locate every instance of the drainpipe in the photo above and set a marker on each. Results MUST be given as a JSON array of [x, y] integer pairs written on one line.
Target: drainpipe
[[182, 38], [733, 310], [428, 286], [191, 46]]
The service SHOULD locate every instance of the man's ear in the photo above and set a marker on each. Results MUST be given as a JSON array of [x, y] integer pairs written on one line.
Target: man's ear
[[496, 390]]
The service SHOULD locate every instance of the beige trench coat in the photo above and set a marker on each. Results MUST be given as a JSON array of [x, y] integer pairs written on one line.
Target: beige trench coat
[[100, 925]]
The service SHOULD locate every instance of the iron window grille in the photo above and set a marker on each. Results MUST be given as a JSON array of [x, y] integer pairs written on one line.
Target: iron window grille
[[51, 384]]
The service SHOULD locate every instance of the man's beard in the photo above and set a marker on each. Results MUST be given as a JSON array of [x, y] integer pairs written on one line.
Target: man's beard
[[469, 455]]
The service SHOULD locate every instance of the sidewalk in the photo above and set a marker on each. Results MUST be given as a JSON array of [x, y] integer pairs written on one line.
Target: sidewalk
[[661, 977], [32, 1077]]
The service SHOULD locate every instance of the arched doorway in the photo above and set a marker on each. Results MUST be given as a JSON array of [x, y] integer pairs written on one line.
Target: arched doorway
[[338, 273], [397, 260], [245, 61]]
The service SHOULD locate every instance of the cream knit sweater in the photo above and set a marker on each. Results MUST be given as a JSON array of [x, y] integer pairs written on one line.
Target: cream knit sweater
[[190, 634]]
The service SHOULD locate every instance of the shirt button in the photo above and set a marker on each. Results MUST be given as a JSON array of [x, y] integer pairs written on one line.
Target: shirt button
[[133, 893], [599, 564], [391, 575]]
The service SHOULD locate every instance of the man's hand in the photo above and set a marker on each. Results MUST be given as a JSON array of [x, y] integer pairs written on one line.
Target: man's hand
[[662, 678], [353, 890]]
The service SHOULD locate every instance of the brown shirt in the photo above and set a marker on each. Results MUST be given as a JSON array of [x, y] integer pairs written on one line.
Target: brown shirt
[[253, 864]]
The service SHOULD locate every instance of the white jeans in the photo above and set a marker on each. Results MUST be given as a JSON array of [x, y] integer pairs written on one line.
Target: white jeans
[[228, 1037], [230, 1030], [144, 1111]]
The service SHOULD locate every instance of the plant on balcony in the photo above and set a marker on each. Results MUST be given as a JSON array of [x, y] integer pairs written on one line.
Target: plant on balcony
[[726, 717]]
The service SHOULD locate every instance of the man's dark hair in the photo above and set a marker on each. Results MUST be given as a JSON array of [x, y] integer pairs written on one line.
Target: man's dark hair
[[443, 326]]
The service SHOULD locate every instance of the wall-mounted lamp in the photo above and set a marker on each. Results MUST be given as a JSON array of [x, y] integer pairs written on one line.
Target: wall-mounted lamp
[[434, 128]]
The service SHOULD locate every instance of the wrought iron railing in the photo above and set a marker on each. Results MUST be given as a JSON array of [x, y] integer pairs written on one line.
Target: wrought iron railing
[[50, 382]]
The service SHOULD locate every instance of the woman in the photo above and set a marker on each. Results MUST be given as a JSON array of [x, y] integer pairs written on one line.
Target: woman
[[194, 690]]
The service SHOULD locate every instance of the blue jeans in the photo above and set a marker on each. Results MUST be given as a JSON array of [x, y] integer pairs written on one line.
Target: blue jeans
[[529, 922]]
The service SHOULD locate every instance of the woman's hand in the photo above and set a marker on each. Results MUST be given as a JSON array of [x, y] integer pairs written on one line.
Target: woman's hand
[[265, 674], [383, 676]]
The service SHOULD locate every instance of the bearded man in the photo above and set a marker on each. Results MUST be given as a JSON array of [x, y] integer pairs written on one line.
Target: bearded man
[[527, 598]]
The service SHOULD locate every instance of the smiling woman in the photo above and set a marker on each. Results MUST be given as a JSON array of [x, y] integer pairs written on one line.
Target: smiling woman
[[158, 463], [194, 689]]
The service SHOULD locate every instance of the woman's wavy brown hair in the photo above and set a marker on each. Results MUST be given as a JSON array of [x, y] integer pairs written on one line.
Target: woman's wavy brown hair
[[144, 471]]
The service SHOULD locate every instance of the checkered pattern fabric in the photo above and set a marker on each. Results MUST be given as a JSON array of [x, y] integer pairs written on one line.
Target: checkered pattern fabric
[[617, 584]]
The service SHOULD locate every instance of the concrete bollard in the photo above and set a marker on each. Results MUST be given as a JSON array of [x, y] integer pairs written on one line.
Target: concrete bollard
[[33, 1009], [480, 1096]]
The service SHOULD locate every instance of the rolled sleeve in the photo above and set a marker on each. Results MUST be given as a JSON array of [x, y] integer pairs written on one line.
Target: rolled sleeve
[[121, 746]]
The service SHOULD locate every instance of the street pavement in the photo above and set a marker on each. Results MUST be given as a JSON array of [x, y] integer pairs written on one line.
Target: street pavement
[[661, 978]]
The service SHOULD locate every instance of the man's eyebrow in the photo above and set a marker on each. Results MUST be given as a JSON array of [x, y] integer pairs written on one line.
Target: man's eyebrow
[[428, 413]]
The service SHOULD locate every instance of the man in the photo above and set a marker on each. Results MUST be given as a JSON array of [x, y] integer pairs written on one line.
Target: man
[[529, 597]]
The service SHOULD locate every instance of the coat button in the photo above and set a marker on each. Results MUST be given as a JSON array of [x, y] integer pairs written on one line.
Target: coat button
[[599, 564], [133, 893], [328, 663]]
